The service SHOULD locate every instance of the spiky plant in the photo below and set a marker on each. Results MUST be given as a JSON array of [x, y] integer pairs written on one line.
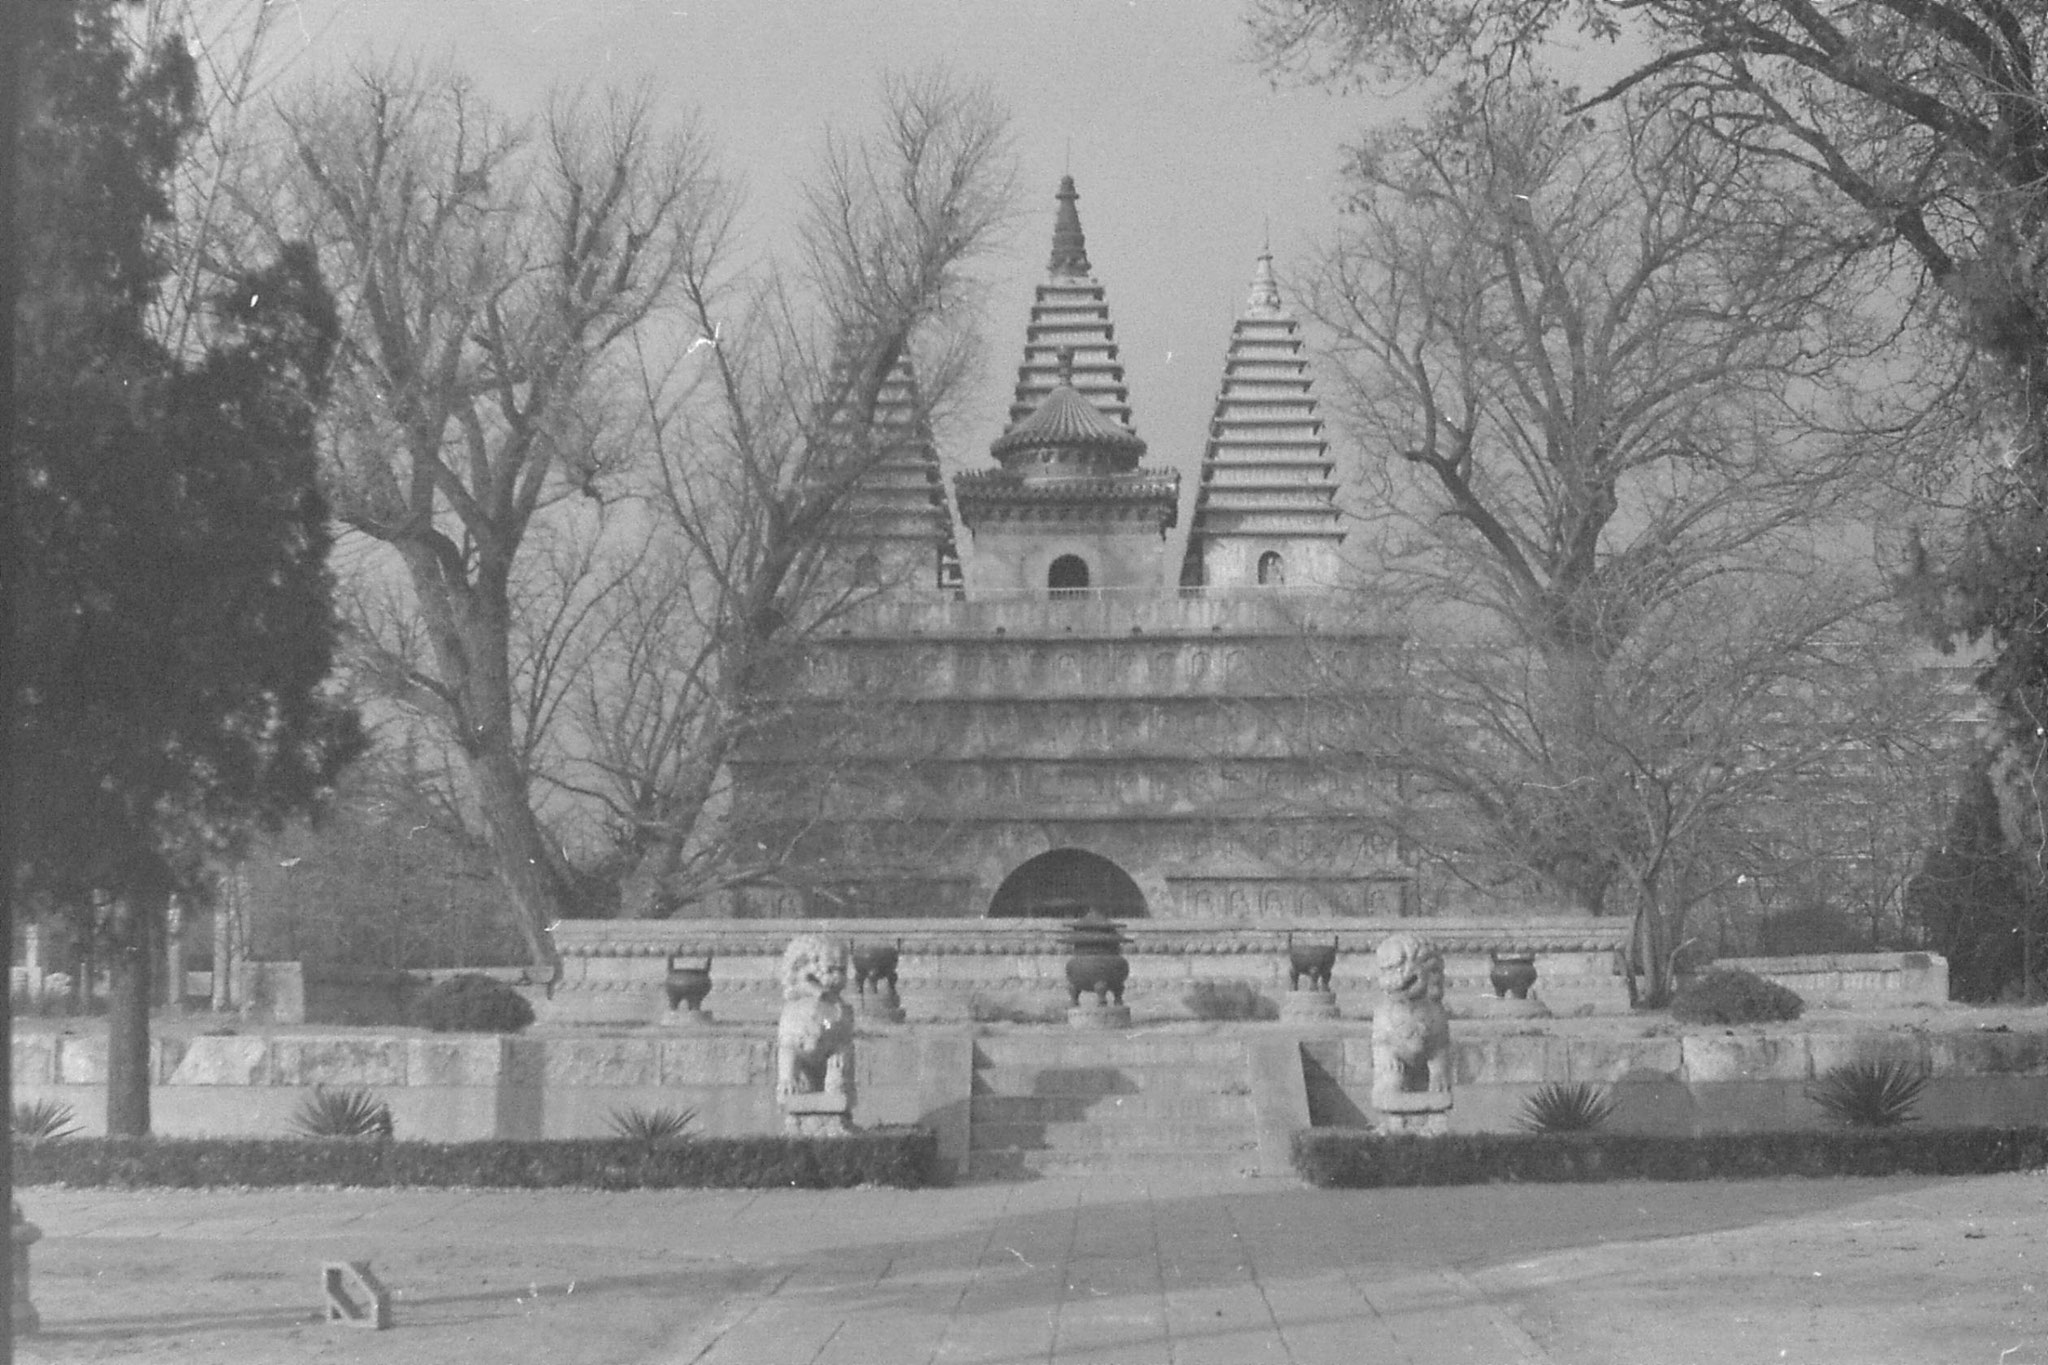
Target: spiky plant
[[652, 1127], [350, 1112], [1870, 1094], [43, 1121], [1562, 1108]]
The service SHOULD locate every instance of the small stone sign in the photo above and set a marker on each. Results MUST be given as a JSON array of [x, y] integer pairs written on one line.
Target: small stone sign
[[354, 1296]]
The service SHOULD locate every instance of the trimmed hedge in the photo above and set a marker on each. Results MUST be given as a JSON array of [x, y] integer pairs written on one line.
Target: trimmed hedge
[[1336, 1159], [903, 1157]]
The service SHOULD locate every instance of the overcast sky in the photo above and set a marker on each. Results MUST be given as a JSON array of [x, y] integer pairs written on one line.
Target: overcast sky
[[1182, 150]]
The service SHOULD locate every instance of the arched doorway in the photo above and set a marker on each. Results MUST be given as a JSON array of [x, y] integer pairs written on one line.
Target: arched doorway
[[1069, 573], [1067, 882]]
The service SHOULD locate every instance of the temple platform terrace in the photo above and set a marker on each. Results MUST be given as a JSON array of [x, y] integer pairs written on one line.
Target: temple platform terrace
[[1051, 613]]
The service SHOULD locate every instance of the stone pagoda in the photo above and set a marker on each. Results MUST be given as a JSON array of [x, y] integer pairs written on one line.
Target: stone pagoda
[[1102, 715], [1064, 702], [1266, 514]]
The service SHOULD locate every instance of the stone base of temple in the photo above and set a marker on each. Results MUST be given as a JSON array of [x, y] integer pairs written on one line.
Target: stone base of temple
[[614, 970], [878, 1009], [1426, 1113], [1506, 1007], [605, 1004], [1308, 1006], [817, 1115], [1088, 1014], [682, 1018], [1435, 1124]]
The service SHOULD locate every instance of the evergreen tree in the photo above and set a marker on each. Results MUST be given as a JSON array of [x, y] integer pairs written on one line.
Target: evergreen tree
[[1968, 900], [173, 630]]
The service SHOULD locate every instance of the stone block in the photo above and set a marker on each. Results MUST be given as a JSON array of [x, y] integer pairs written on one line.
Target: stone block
[[1830, 1050], [1606, 1061], [525, 1062], [33, 1058], [168, 1053], [226, 1111], [82, 1060], [224, 1061], [1989, 1054], [1651, 1106], [432, 1113], [1750, 1106], [1279, 1097], [601, 1061], [463, 1061], [725, 1059], [1526, 1059], [1711, 1058], [337, 1061]]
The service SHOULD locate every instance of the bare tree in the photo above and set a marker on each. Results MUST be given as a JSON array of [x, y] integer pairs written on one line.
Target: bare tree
[[488, 277], [1604, 381], [755, 487], [1925, 123]]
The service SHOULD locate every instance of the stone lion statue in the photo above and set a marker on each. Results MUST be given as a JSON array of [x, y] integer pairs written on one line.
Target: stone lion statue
[[814, 1041], [1411, 1032]]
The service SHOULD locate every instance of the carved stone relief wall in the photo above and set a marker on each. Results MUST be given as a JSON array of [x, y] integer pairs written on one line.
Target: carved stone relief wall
[[908, 777]]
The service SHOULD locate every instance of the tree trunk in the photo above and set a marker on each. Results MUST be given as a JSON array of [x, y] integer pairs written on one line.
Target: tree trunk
[[525, 864], [468, 626], [1652, 951], [647, 891], [129, 949]]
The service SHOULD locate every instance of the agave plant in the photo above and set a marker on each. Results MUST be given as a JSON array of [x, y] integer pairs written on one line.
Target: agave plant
[[651, 1127], [44, 1121], [1870, 1094], [1561, 1108], [352, 1112]]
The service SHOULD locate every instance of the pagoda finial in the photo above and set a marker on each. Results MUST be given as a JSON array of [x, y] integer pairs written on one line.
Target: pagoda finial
[[1069, 247], [1265, 295]]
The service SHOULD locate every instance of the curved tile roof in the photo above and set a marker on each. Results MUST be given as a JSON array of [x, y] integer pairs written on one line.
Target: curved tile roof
[[1068, 421]]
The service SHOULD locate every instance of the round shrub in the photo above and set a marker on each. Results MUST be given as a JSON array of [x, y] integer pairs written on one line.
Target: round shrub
[[1729, 995], [472, 1003], [1228, 1000]]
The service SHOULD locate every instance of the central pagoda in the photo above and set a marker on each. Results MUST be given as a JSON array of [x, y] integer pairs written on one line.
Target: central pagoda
[[1070, 509], [1083, 722]]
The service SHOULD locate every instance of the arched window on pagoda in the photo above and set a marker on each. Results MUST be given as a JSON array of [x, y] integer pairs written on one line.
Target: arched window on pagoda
[[1272, 569], [1069, 573]]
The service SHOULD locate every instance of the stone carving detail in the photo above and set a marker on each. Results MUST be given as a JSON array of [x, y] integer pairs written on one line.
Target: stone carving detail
[[814, 1041], [1411, 1037]]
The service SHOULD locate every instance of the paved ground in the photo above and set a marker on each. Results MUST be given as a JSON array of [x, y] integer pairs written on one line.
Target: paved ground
[[1095, 1269]]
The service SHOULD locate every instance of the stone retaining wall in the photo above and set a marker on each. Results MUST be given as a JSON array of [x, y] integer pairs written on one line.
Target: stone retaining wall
[[464, 1088], [1847, 980], [1708, 1081], [467, 1087]]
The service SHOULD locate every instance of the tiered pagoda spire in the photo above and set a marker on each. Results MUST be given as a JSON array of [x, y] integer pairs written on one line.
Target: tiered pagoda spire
[[1265, 511], [896, 512], [1070, 313], [1070, 509]]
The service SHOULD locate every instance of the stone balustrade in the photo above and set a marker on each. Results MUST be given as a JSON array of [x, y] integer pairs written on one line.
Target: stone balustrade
[[613, 969]]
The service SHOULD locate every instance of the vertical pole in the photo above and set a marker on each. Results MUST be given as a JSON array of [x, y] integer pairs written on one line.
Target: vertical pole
[[174, 957], [12, 35], [223, 921]]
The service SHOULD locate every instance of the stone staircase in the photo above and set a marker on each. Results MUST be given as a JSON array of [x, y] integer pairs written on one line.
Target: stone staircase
[[1048, 1103]]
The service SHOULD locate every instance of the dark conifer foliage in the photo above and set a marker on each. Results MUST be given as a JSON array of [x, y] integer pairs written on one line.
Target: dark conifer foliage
[[1968, 900], [173, 628]]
